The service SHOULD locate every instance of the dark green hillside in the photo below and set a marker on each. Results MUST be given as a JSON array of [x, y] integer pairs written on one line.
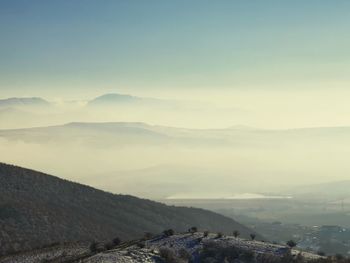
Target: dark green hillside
[[38, 209]]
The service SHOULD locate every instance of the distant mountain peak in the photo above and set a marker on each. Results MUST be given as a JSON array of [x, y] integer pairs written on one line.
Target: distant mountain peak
[[111, 98], [23, 101], [115, 99]]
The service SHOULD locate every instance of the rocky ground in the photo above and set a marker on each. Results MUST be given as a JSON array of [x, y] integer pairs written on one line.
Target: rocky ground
[[147, 251], [59, 253]]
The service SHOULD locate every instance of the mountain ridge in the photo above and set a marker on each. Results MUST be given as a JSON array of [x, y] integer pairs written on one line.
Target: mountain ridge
[[230, 128], [114, 99], [23, 101]]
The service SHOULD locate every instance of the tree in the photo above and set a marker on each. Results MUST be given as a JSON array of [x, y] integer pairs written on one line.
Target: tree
[[109, 246], [169, 232], [321, 253], [148, 236], [236, 233], [339, 257], [93, 247], [252, 236], [291, 243], [219, 235], [193, 229]]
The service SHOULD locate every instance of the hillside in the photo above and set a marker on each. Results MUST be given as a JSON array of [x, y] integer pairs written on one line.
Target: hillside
[[37, 209]]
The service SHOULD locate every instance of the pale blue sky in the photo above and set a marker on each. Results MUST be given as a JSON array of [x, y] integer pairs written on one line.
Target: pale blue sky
[[84, 46]]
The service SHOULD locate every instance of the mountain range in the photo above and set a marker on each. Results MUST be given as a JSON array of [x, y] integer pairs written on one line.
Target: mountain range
[[233, 136], [167, 161], [110, 108]]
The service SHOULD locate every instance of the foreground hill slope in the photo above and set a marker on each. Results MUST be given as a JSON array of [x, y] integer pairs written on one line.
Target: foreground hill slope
[[37, 209], [179, 248]]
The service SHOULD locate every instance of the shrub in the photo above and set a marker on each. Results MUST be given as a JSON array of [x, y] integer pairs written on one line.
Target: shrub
[[219, 235], [198, 240], [288, 258], [109, 246], [339, 257], [184, 254], [210, 249], [141, 244], [54, 244], [169, 232], [236, 233], [217, 252], [116, 241], [247, 256], [168, 255], [148, 236], [93, 247], [253, 236], [291, 243], [193, 229], [205, 233], [268, 258]]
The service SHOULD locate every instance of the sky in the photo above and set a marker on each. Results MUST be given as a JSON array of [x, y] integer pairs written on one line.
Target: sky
[[74, 47], [272, 56]]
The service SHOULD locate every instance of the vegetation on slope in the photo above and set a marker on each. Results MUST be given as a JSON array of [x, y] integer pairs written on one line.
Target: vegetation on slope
[[38, 209]]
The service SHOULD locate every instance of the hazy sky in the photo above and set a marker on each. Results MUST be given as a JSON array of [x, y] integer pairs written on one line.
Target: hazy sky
[[287, 62], [83, 48], [267, 64]]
